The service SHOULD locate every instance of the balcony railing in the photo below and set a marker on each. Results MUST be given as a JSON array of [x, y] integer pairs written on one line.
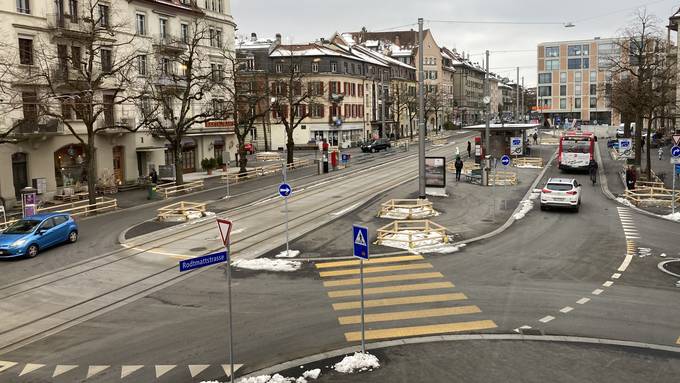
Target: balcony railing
[[36, 126], [169, 42], [64, 23]]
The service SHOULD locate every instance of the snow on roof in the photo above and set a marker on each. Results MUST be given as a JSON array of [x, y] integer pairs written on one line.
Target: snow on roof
[[247, 43], [383, 59]]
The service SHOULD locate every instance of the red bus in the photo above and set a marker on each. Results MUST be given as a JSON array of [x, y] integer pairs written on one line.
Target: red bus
[[576, 150]]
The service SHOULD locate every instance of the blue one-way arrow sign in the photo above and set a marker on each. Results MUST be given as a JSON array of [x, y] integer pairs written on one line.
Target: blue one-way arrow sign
[[285, 190], [505, 160], [675, 151], [206, 260], [360, 240]]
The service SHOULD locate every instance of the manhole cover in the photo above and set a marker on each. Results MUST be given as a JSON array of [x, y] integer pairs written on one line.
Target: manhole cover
[[197, 249]]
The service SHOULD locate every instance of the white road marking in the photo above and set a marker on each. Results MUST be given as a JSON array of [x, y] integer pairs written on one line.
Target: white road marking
[[546, 319], [525, 327], [227, 370], [608, 284], [632, 237], [127, 370], [616, 276], [196, 369], [30, 367], [163, 369], [343, 211], [583, 301], [94, 370], [597, 291], [62, 368], [566, 309], [5, 365]]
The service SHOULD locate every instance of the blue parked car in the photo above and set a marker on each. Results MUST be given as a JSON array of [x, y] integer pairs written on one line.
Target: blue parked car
[[30, 235]]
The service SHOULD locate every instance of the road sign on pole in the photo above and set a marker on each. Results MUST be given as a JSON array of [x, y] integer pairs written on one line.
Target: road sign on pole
[[676, 140], [206, 260], [224, 226], [675, 155], [505, 160], [360, 244], [285, 190]]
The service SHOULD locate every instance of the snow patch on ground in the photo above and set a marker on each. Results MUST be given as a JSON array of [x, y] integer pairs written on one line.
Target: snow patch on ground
[[525, 207], [312, 374], [357, 363], [436, 194], [268, 264], [404, 213], [528, 167], [423, 243], [673, 217], [290, 254], [276, 378], [624, 202]]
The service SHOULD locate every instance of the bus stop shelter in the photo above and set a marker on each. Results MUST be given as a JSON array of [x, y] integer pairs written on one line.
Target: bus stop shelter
[[500, 137]]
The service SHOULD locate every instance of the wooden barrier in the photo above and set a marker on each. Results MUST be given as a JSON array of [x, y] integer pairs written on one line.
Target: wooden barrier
[[502, 178], [406, 208], [236, 177], [411, 232], [652, 196], [527, 161], [268, 156], [179, 210], [82, 208], [439, 141], [170, 189], [5, 225]]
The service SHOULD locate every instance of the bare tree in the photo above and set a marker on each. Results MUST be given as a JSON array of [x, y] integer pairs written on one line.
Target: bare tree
[[82, 88], [182, 89], [248, 93], [434, 103], [400, 97]]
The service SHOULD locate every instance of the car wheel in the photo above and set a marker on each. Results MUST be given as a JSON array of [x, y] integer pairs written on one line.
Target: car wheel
[[73, 237], [32, 251]]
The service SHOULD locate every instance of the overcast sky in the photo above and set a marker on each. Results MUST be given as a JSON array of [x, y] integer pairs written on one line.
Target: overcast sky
[[306, 20]]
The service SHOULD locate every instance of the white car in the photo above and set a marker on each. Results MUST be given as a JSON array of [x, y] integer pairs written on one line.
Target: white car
[[561, 192]]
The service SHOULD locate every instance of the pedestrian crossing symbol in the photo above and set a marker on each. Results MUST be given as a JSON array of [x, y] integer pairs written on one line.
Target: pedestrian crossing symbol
[[360, 236]]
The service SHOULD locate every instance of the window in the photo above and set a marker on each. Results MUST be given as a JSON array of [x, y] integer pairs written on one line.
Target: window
[[30, 105], [593, 89], [278, 68], [593, 102], [165, 66], [315, 67], [563, 90], [26, 51], [334, 67], [577, 103], [577, 89], [218, 38], [141, 24], [544, 91], [315, 88], [346, 67], [593, 76], [586, 49], [106, 60], [76, 57], [184, 30], [552, 64], [250, 63], [544, 78], [316, 110], [563, 103], [563, 77], [24, 6], [552, 51], [547, 103], [574, 50], [141, 65], [586, 63], [163, 25], [217, 71], [103, 15], [574, 63], [577, 76], [73, 9], [296, 68]]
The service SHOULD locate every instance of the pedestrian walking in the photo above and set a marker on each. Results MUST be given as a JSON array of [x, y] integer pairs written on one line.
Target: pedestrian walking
[[459, 167], [469, 149], [535, 138], [630, 178], [592, 169], [154, 176], [660, 153]]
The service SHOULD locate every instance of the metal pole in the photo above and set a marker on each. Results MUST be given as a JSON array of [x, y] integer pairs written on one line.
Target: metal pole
[[421, 113], [517, 100], [674, 177], [382, 106], [493, 191], [487, 93], [361, 278], [522, 109], [285, 199], [231, 325]]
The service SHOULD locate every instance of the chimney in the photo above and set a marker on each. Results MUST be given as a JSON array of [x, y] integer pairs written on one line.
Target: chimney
[[278, 39], [253, 37]]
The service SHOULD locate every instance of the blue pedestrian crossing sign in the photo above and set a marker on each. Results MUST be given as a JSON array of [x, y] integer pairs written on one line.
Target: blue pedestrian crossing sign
[[505, 160], [285, 190], [360, 240]]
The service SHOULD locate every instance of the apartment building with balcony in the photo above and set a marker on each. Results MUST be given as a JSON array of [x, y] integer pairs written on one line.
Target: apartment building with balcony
[[468, 89], [574, 80], [42, 146]]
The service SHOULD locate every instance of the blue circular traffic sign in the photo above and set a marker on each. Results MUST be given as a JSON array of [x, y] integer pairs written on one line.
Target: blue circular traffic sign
[[285, 190], [505, 160], [675, 151]]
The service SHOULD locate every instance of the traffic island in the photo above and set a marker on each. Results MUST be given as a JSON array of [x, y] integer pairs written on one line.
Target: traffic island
[[416, 236], [407, 209]]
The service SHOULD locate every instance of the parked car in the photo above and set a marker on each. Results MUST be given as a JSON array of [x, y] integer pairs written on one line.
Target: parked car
[[376, 145], [249, 148], [30, 235], [561, 192], [619, 130]]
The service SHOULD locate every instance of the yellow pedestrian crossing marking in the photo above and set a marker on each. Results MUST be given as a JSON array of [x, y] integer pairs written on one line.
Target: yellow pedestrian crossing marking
[[390, 289], [380, 269], [327, 265], [400, 301], [387, 278], [402, 315], [402, 332]]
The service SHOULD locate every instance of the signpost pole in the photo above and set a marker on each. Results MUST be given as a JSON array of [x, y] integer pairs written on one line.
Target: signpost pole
[[360, 250], [231, 322], [493, 191], [361, 278], [285, 199], [673, 202]]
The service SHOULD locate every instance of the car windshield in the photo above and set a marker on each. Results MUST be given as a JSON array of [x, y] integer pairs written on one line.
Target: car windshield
[[559, 187], [576, 146], [23, 226]]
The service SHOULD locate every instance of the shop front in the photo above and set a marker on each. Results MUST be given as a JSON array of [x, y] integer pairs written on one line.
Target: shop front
[[70, 166], [344, 136]]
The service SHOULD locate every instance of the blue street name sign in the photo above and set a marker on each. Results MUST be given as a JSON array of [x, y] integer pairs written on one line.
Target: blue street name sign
[[285, 190], [505, 160], [675, 151], [206, 260], [360, 240], [677, 168]]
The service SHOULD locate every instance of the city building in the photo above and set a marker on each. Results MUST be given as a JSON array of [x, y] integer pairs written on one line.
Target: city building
[[42, 146], [573, 77], [468, 92], [673, 55]]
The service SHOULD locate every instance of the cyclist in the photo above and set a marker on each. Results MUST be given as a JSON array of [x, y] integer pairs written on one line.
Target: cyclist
[[592, 169]]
